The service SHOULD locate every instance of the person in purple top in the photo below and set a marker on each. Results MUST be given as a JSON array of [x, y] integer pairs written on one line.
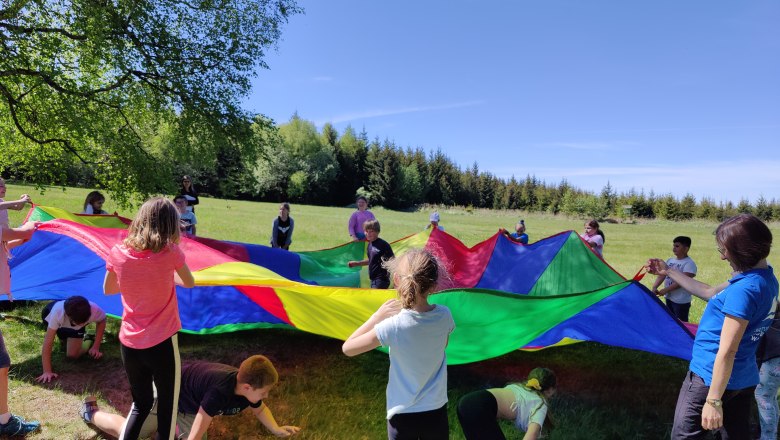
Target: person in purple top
[[355, 227]]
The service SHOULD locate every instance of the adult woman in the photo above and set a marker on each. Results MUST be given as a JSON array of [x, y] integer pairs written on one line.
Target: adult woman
[[525, 403], [723, 371], [188, 191], [356, 220]]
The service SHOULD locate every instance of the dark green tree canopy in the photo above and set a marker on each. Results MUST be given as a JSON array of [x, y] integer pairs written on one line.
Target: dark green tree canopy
[[94, 80]]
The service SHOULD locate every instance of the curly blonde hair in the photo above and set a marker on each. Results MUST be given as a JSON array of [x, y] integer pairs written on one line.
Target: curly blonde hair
[[155, 227]]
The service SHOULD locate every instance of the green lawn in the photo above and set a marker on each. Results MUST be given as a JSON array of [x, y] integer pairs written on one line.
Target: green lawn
[[604, 392]]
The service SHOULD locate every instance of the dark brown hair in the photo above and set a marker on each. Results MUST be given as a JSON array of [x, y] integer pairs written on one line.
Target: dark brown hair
[[78, 309], [746, 238]]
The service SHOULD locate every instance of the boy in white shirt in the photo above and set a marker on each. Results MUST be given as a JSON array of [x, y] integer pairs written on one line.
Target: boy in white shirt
[[678, 300]]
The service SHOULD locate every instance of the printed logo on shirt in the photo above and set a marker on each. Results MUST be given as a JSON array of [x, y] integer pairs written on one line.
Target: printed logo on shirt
[[283, 230], [229, 411]]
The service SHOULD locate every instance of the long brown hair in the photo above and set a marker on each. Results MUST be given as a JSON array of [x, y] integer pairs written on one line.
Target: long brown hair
[[155, 226], [746, 238]]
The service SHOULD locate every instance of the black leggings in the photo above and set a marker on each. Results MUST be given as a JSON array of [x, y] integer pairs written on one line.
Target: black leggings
[[477, 414], [425, 425], [149, 368]]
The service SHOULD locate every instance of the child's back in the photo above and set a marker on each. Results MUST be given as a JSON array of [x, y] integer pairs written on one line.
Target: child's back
[[418, 365]]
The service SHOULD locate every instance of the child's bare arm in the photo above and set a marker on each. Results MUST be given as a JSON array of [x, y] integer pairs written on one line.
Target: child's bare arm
[[48, 342], [200, 425], [357, 263], [364, 338], [264, 415], [110, 283], [16, 205], [183, 277]]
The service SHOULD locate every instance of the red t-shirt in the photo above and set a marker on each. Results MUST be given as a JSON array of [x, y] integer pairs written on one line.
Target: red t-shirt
[[151, 312]]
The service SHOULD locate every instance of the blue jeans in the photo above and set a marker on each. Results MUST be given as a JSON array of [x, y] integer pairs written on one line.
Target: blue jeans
[[766, 398]]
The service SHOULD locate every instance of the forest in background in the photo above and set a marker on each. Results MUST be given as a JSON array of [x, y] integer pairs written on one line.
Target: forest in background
[[301, 164]]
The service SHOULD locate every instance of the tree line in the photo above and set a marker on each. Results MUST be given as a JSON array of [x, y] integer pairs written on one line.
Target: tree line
[[301, 164]]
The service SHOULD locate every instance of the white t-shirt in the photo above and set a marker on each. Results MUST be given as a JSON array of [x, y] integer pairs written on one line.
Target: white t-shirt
[[418, 365], [57, 318], [529, 407], [679, 295]]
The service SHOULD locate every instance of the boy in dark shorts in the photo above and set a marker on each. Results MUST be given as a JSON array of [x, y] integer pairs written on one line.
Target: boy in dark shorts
[[67, 320], [378, 252], [207, 390]]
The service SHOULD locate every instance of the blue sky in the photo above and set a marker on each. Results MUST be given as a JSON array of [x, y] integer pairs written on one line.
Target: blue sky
[[664, 95]]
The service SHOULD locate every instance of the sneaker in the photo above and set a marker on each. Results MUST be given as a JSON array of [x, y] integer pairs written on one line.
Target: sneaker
[[18, 426], [88, 409]]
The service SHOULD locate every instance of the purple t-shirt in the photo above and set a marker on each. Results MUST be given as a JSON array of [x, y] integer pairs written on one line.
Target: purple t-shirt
[[356, 222]]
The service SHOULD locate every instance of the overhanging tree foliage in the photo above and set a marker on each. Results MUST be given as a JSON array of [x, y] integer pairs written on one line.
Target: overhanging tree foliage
[[94, 81]]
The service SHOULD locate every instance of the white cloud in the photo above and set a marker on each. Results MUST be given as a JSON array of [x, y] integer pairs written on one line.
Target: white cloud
[[376, 113]]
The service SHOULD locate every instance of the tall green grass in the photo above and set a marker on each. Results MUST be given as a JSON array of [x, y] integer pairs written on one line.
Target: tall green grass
[[604, 392]]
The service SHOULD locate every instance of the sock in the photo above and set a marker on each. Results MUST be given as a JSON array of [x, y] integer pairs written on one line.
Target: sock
[[4, 418]]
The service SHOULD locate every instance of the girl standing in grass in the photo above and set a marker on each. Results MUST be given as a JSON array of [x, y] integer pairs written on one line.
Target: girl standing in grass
[[144, 268], [525, 403], [416, 333]]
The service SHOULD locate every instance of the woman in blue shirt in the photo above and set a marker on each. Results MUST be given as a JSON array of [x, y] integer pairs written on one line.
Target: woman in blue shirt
[[723, 371]]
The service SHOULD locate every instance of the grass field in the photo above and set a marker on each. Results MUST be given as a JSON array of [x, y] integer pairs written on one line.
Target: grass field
[[604, 392]]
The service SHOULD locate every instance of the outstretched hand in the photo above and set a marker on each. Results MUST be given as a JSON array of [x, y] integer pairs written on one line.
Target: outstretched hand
[[656, 266], [95, 352]]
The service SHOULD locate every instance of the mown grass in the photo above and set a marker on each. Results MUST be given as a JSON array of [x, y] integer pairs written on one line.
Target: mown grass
[[604, 393]]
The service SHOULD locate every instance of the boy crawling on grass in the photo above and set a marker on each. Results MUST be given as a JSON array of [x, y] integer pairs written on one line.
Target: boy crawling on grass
[[207, 390], [67, 320]]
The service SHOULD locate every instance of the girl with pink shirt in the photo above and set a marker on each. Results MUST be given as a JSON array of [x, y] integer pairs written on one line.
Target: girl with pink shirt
[[356, 220], [594, 237], [144, 268]]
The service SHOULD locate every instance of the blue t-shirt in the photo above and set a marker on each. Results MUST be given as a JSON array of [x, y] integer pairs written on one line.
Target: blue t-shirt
[[522, 238], [749, 296]]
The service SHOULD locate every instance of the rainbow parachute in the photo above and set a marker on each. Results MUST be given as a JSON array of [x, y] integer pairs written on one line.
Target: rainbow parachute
[[504, 296]]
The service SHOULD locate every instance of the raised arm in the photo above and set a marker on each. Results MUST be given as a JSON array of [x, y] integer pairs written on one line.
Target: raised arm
[[701, 290], [16, 205], [364, 338]]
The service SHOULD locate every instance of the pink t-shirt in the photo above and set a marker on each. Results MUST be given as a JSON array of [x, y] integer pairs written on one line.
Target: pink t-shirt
[[356, 221], [151, 312], [596, 243]]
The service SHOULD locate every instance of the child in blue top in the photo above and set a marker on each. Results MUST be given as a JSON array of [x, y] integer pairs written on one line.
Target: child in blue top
[[519, 234], [416, 334], [723, 370]]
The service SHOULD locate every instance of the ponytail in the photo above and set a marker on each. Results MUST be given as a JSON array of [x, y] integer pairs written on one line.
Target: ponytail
[[416, 274]]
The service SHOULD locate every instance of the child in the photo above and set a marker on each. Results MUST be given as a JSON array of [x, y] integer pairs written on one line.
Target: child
[[434, 222], [67, 320], [144, 267], [187, 218], [358, 219], [16, 205], [677, 299], [416, 333], [208, 390], [378, 252], [281, 233], [10, 424], [594, 237], [519, 234], [94, 203], [525, 403]]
